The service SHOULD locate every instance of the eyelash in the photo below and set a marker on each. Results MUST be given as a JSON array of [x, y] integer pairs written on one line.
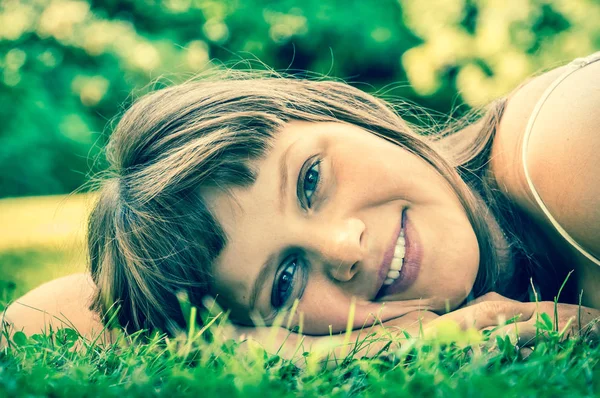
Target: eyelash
[[277, 301], [302, 183]]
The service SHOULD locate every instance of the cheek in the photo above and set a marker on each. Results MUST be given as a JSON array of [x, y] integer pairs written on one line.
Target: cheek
[[326, 308], [373, 173], [229, 297], [322, 307]]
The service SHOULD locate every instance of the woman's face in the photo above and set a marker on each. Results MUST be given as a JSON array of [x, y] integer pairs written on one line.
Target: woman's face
[[321, 225]]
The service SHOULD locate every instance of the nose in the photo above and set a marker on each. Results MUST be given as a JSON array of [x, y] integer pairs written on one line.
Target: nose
[[341, 246]]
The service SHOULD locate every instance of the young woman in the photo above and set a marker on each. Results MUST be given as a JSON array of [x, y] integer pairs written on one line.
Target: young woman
[[263, 191]]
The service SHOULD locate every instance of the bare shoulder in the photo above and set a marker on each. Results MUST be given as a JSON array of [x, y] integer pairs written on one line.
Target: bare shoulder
[[563, 157], [63, 302]]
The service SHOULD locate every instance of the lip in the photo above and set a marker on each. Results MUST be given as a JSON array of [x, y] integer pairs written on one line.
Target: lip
[[412, 261], [388, 256]]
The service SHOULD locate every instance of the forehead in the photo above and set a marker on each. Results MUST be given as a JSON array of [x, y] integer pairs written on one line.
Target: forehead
[[249, 217]]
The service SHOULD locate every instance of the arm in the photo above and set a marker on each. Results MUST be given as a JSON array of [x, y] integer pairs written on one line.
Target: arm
[[488, 312], [62, 302], [562, 160], [336, 347]]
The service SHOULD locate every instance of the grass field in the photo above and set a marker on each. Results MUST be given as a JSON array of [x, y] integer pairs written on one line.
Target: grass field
[[42, 238]]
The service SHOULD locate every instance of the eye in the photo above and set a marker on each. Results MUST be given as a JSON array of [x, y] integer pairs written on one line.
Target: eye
[[284, 283], [311, 182]]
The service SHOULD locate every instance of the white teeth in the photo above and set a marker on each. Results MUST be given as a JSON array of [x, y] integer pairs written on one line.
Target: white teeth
[[397, 261], [396, 264], [393, 274], [399, 251], [401, 240]]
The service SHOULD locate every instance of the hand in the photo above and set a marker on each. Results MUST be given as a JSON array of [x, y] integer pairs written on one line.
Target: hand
[[485, 313], [493, 310], [337, 346]]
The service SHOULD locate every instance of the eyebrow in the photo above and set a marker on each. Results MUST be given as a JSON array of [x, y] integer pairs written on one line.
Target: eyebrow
[[261, 278], [283, 177]]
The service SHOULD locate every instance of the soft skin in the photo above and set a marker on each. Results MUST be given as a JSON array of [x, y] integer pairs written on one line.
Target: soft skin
[[365, 183], [569, 117]]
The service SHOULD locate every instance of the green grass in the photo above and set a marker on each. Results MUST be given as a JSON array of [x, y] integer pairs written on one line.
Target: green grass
[[61, 363]]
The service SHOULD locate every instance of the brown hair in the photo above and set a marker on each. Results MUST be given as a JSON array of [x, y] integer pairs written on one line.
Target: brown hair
[[150, 234]]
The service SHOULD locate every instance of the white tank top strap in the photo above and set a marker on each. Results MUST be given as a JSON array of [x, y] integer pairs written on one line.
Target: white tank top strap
[[571, 67]]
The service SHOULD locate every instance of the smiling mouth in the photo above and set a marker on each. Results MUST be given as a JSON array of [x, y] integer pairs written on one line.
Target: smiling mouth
[[393, 262], [393, 283]]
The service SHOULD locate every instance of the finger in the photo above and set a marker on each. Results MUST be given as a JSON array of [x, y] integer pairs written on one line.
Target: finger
[[490, 296], [521, 334], [486, 314], [527, 333], [525, 352], [591, 330]]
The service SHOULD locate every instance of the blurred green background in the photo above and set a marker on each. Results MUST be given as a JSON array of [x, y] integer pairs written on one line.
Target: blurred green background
[[68, 68]]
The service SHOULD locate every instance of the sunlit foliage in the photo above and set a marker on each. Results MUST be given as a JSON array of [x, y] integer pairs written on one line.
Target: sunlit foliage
[[68, 67]]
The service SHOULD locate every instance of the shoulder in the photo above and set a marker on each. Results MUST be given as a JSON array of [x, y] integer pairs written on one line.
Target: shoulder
[[563, 152], [63, 302]]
